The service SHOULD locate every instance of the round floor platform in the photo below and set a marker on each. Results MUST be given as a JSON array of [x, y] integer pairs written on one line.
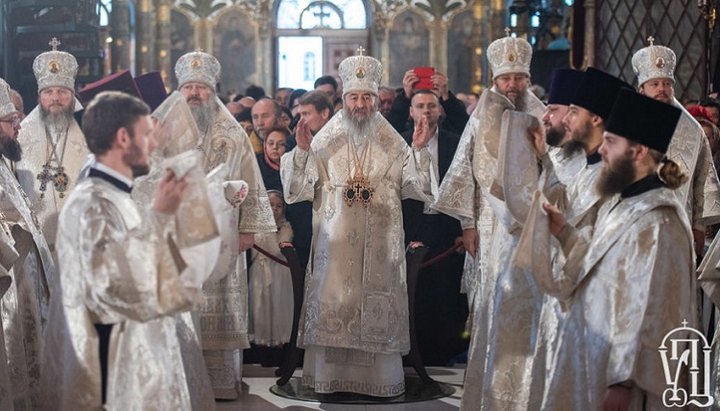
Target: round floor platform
[[415, 390]]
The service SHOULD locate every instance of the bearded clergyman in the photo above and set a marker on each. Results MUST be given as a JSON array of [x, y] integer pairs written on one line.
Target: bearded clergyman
[[224, 317], [504, 302], [623, 290], [356, 170], [25, 256], [54, 146]]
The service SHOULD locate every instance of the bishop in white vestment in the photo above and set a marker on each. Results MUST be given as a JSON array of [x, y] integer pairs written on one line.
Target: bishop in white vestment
[[356, 170]]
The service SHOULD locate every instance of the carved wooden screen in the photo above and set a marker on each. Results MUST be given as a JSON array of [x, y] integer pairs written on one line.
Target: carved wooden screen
[[623, 26]]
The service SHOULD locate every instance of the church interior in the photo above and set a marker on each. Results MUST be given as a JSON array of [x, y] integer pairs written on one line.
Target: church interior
[[288, 44]]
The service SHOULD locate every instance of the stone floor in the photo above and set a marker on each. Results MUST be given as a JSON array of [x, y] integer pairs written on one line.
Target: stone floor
[[257, 396]]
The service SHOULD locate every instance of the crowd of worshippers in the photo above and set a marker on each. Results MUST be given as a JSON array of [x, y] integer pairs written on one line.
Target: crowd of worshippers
[[141, 249]]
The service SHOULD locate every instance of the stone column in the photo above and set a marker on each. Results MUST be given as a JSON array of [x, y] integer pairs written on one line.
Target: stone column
[[120, 32], [589, 59], [380, 48], [496, 30], [203, 34], [438, 44], [144, 37], [264, 50], [163, 40], [479, 36]]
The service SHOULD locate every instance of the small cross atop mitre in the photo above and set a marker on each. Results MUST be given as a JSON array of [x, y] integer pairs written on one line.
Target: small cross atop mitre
[[360, 72], [54, 43], [55, 68], [654, 61], [509, 54]]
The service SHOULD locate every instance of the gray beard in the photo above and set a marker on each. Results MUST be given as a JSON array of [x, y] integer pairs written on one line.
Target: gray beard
[[358, 128], [204, 115], [57, 122], [520, 102]]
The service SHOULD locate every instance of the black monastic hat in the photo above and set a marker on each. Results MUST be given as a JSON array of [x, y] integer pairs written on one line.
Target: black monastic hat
[[596, 92], [152, 88], [120, 81], [563, 85], [644, 120]]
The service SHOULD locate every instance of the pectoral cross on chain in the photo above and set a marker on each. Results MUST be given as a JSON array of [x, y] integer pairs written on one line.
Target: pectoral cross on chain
[[45, 177]]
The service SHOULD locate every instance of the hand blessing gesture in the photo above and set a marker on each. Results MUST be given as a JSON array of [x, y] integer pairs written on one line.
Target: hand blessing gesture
[[421, 136], [303, 136]]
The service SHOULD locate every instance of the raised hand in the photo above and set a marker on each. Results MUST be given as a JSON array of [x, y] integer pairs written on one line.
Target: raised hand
[[169, 193], [161, 131], [409, 81], [421, 135], [303, 136], [440, 85]]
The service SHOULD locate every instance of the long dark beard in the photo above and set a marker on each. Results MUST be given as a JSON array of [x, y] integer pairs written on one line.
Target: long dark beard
[[554, 136], [616, 178], [572, 147], [10, 148], [358, 126], [57, 121], [204, 115]]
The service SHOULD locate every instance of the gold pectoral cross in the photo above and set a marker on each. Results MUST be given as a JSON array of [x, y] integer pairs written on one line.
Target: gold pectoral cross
[[359, 190]]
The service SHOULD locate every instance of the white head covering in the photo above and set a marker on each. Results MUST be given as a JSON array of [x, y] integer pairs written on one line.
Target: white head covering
[[55, 68], [654, 62], [360, 73], [6, 105], [509, 55], [197, 66]]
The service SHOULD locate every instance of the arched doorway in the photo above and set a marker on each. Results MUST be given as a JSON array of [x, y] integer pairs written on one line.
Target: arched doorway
[[312, 37]]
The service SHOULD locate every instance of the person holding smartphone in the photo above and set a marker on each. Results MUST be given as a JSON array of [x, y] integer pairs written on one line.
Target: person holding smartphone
[[454, 116]]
